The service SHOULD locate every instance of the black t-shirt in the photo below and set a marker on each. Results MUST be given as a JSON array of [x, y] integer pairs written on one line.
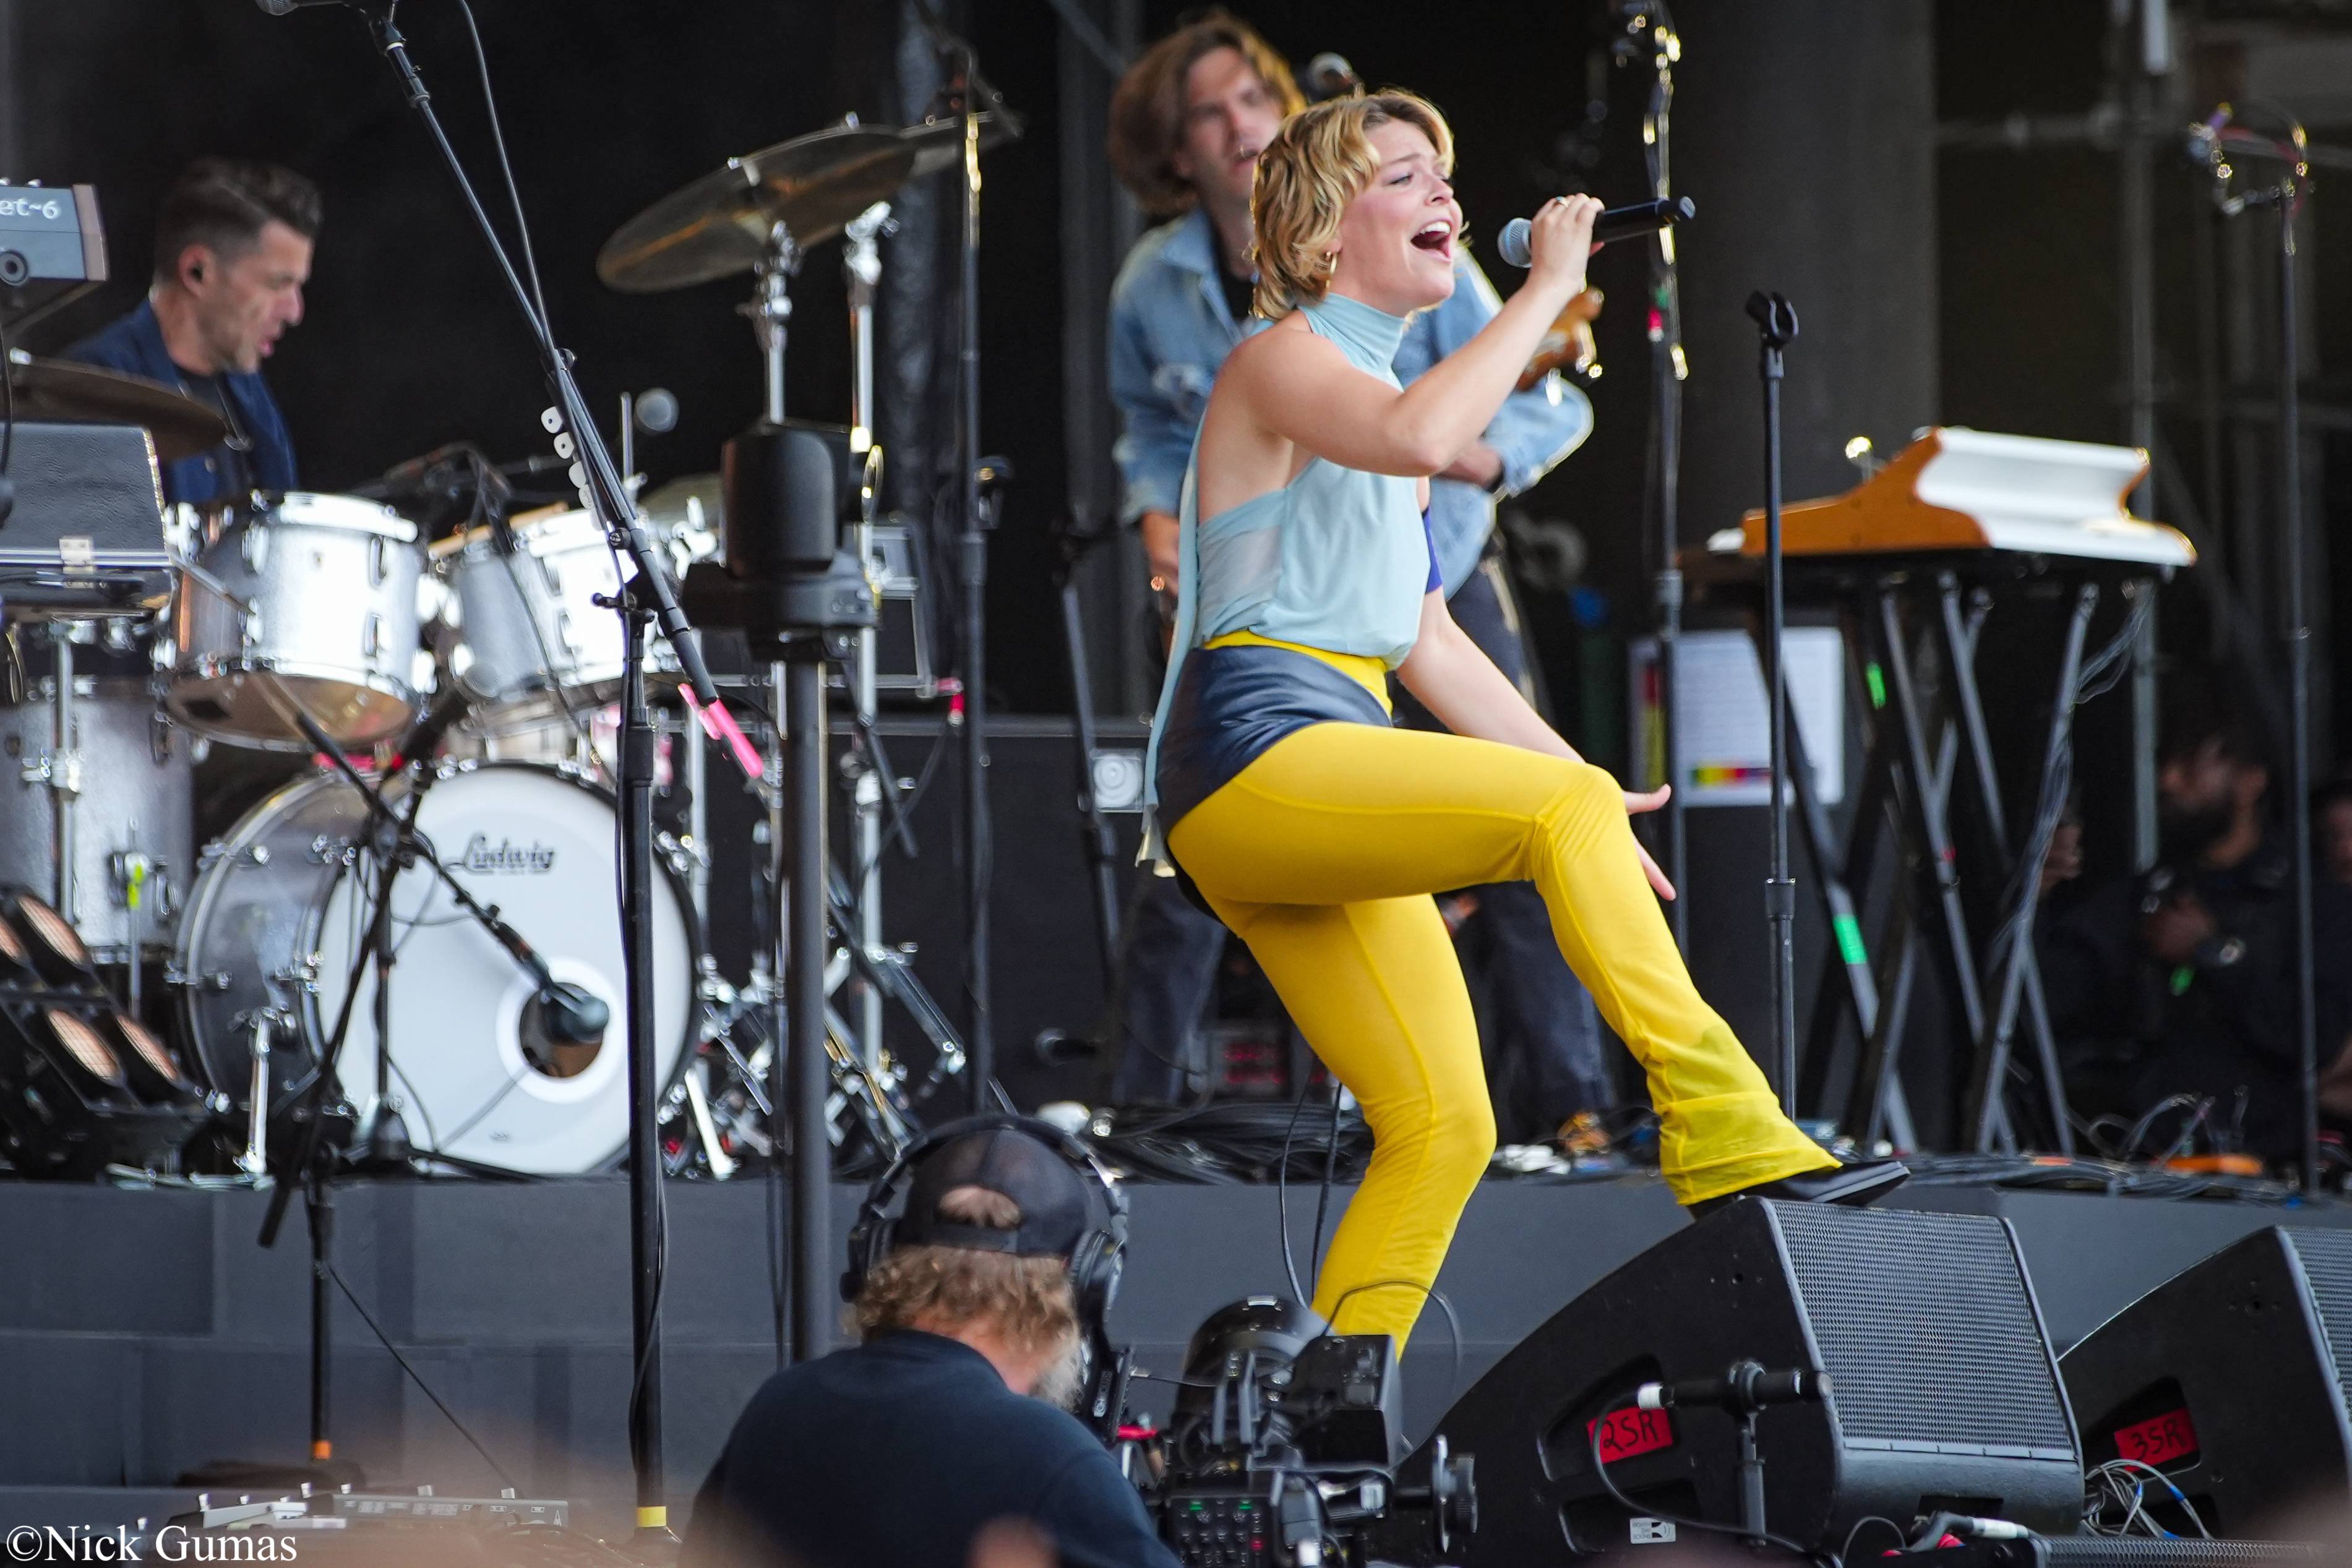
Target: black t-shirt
[[232, 460], [1239, 292], [898, 1451]]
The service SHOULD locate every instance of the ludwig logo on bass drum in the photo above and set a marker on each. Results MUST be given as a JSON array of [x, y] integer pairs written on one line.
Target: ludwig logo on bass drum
[[505, 857]]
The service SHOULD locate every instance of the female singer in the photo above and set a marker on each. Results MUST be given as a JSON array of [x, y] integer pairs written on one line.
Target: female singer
[[1316, 831]]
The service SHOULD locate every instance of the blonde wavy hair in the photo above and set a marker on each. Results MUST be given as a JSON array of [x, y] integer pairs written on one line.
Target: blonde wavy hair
[[1319, 160], [1028, 1301]]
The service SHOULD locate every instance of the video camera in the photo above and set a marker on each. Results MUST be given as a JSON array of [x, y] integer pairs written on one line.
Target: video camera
[[1283, 1444]]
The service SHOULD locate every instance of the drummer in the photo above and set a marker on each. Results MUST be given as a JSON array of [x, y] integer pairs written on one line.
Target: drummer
[[232, 252]]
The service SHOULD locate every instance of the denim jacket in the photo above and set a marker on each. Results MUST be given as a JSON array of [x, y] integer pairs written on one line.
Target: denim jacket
[[1169, 331]]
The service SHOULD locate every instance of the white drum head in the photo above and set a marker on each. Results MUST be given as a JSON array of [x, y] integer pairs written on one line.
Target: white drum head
[[475, 1078]]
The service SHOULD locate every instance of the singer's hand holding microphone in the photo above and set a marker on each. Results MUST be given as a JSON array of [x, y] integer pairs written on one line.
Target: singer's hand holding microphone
[[1557, 242]]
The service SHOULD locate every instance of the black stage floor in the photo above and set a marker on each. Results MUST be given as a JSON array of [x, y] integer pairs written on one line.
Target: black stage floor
[[143, 1332]]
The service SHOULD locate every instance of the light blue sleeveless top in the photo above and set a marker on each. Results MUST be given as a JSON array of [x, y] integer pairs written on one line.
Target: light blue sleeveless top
[[1336, 560]]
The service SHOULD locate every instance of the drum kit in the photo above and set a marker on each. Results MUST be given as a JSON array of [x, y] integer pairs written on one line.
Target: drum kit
[[473, 676]]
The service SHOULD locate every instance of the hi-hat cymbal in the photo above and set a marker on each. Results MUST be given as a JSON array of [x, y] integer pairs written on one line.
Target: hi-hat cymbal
[[939, 144], [721, 224], [57, 389]]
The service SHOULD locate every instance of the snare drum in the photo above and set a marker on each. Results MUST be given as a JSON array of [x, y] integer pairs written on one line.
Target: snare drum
[[315, 593]]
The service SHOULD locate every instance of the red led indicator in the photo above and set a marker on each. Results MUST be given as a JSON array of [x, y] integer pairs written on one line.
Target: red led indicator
[[1626, 1432], [2159, 1439]]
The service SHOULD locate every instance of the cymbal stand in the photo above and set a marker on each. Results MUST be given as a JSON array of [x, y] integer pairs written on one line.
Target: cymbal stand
[[60, 768], [770, 311], [861, 266]]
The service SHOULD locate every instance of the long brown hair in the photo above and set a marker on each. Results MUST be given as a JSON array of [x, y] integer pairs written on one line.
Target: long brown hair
[[1147, 110]]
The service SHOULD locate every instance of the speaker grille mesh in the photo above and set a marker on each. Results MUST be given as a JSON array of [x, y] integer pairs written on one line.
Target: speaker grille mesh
[[2328, 1262], [2124, 1552], [1925, 1328]]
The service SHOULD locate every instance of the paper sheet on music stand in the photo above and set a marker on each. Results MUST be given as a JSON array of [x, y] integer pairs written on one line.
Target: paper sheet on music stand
[[1722, 726]]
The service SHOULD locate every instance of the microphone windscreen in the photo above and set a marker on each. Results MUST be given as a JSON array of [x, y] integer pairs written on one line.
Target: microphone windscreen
[[1512, 245], [656, 410]]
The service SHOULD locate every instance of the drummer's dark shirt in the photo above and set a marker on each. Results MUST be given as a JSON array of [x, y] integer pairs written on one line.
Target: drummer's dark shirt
[[134, 345]]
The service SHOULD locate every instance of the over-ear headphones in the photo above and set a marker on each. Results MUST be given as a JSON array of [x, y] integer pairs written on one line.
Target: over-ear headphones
[[1094, 1264]]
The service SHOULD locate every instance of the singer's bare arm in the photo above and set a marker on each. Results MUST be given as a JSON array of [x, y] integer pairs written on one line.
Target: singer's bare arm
[[1287, 395]]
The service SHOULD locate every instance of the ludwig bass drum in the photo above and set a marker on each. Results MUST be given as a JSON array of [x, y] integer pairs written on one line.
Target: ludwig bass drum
[[280, 910]]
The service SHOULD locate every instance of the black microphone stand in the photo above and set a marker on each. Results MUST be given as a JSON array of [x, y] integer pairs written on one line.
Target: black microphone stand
[[396, 844], [1776, 321], [1649, 19], [2287, 195], [977, 518], [2298, 664], [649, 596]]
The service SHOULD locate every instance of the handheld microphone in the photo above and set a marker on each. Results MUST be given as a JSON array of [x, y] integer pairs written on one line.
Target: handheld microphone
[[1745, 1386], [1329, 76], [1615, 223]]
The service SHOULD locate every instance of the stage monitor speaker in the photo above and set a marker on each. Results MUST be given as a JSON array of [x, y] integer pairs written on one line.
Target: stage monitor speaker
[[1943, 1391], [2233, 1377]]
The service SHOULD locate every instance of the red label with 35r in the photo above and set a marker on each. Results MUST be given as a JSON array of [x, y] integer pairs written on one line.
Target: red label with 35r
[[1625, 1433], [2159, 1439]]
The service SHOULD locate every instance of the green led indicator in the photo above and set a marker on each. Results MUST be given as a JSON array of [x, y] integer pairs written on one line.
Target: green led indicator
[[1199, 1506], [1849, 939], [1243, 1507], [1877, 679], [2181, 978]]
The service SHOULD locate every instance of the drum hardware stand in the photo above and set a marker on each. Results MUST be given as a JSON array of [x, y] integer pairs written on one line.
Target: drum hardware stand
[[134, 874], [861, 266], [1775, 322], [254, 1162], [770, 309], [62, 770]]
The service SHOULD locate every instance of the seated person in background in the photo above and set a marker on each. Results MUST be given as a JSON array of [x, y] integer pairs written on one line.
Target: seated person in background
[[2182, 981], [951, 1422], [2331, 830]]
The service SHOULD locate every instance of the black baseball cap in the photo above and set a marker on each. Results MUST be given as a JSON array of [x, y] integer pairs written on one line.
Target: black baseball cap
[[1058, 1203]]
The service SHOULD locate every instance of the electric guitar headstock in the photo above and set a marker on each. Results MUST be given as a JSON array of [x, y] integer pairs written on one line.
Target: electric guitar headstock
[[1568, 345]]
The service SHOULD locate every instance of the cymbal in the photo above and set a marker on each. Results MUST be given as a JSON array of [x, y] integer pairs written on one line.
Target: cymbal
[[720, 223], [939, 144], [56, 389]]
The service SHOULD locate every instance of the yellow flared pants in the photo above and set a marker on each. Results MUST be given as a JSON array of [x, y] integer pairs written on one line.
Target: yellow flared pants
[[1322, 855]]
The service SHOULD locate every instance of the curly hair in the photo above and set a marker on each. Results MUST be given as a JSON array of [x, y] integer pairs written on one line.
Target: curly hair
[[1318, 163], [1026, 1300], [1147, 110]]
